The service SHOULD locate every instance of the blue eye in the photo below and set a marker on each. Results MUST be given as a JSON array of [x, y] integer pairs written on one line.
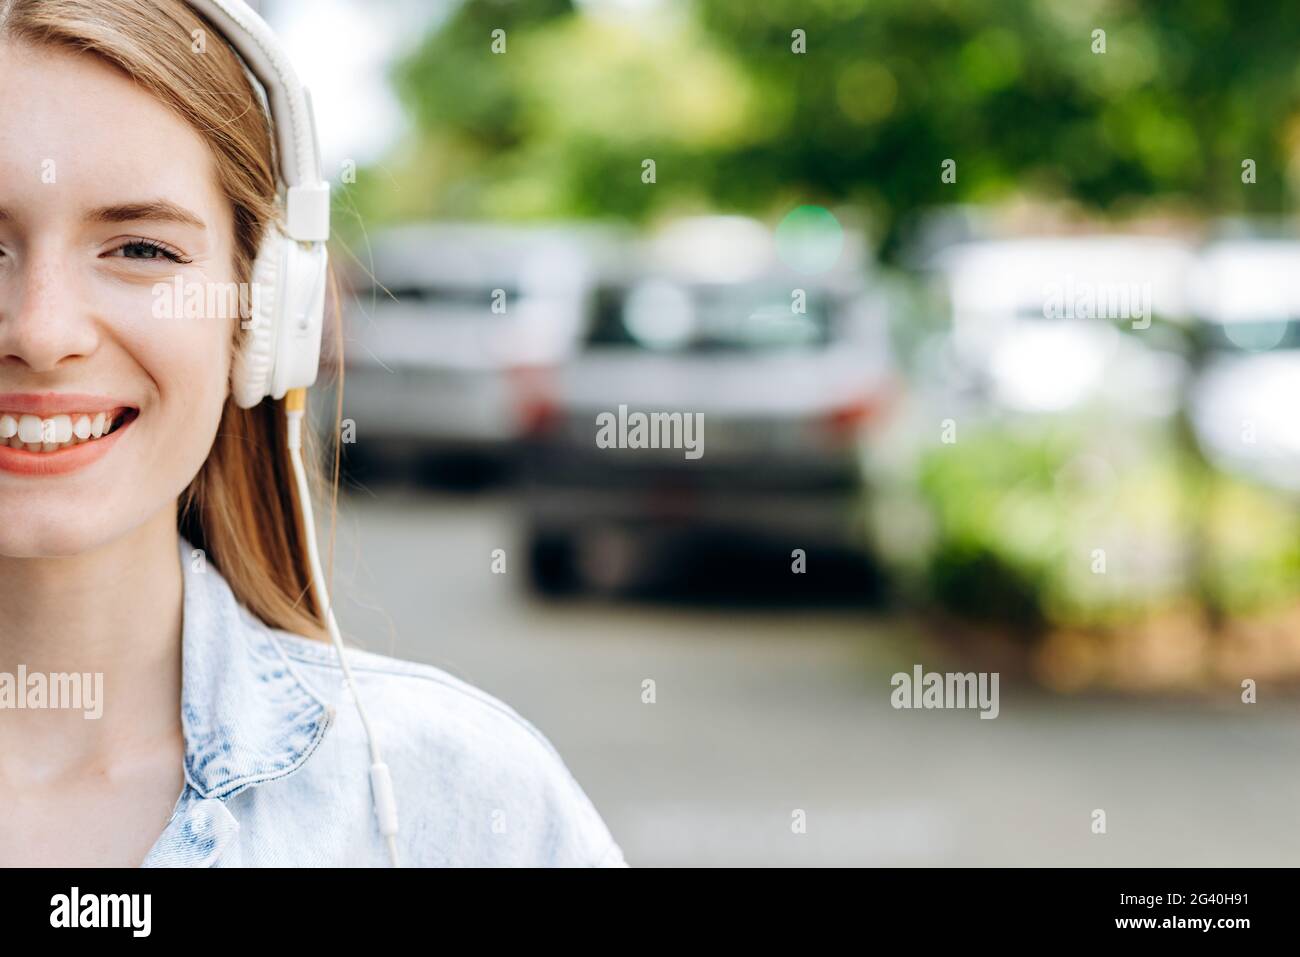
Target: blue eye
[[147, 250]]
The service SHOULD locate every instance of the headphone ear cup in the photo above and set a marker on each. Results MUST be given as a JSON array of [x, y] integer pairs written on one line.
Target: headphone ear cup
[[254, 362]]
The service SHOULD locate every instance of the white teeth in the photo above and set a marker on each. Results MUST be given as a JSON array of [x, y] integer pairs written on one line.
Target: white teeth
[[29, 429], [31, 432], [62, 428]]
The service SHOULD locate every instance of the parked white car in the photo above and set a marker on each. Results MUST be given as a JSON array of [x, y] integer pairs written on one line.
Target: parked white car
[[1047, 324], [445, 346], [1244, 404], [782, 373]]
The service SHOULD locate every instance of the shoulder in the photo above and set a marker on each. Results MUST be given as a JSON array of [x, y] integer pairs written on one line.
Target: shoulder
[[477, 782]]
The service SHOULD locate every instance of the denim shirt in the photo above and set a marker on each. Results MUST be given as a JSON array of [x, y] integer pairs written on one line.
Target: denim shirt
[[277, 763]]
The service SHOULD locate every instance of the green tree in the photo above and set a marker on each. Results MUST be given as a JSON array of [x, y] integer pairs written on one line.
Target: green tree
[[1016, 92]]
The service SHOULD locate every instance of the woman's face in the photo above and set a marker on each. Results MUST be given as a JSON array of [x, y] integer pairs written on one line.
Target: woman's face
[[104, 195]]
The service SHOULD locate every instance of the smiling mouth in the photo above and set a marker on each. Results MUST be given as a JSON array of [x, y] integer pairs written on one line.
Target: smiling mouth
[[58, 433]]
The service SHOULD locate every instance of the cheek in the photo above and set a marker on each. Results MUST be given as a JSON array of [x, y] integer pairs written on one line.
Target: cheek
[[189, 363], [169, 334], [184, 339], [186, 358]]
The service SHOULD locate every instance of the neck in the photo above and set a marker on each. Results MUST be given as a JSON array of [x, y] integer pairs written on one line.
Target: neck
[[113, 611]]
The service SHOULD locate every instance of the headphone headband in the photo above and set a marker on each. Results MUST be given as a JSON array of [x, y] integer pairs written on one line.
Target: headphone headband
[[307, 203], [281, 348]]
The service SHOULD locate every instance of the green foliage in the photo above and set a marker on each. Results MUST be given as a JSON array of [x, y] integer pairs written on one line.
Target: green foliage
[[1011, 89], [1019, 513]]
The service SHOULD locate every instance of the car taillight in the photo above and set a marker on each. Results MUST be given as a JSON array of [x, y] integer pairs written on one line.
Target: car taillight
[[536, 402], [850, 418]]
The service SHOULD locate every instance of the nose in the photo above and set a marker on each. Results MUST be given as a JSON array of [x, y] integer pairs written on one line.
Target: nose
[[43, 323]]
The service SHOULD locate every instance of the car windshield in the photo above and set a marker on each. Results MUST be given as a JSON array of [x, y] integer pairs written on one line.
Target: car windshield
[[665, 316]]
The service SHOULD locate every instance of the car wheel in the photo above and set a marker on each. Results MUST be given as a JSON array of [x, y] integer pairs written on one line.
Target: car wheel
[[553, 564]]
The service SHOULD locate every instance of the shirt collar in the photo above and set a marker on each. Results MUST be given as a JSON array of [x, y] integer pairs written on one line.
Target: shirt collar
[[247, 716]]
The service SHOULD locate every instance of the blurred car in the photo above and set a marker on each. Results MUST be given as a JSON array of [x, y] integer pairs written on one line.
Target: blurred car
[[1243, 405], [446, 341], [1041, 325], [783, 371]]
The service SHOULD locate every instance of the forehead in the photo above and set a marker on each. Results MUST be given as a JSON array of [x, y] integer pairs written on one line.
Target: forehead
[[76, 132]]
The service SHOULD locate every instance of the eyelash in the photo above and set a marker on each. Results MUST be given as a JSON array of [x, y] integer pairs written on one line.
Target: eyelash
[[173, 254], [169, 253]]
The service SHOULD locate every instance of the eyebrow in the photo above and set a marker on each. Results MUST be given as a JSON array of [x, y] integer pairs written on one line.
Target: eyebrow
[[154, 210]]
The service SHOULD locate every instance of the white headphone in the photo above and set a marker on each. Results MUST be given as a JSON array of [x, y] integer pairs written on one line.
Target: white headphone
[[281, 354], [282, 348]]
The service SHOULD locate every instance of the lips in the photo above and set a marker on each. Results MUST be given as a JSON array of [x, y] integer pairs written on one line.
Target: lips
[[50, 404], [59, 433]]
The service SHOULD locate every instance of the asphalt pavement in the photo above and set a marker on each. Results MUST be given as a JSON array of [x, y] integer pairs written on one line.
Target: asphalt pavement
[[765, 718]]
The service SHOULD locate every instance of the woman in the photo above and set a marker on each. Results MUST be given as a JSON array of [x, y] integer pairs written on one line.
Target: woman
[[151, 554]]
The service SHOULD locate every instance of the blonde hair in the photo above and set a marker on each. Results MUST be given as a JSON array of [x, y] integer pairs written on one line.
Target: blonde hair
[[242, 507]]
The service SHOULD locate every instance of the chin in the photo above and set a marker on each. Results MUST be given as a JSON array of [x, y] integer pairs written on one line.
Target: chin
[[55, 530]]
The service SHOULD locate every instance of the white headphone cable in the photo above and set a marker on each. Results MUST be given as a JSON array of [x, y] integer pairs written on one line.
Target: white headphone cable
[[381, 782]]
